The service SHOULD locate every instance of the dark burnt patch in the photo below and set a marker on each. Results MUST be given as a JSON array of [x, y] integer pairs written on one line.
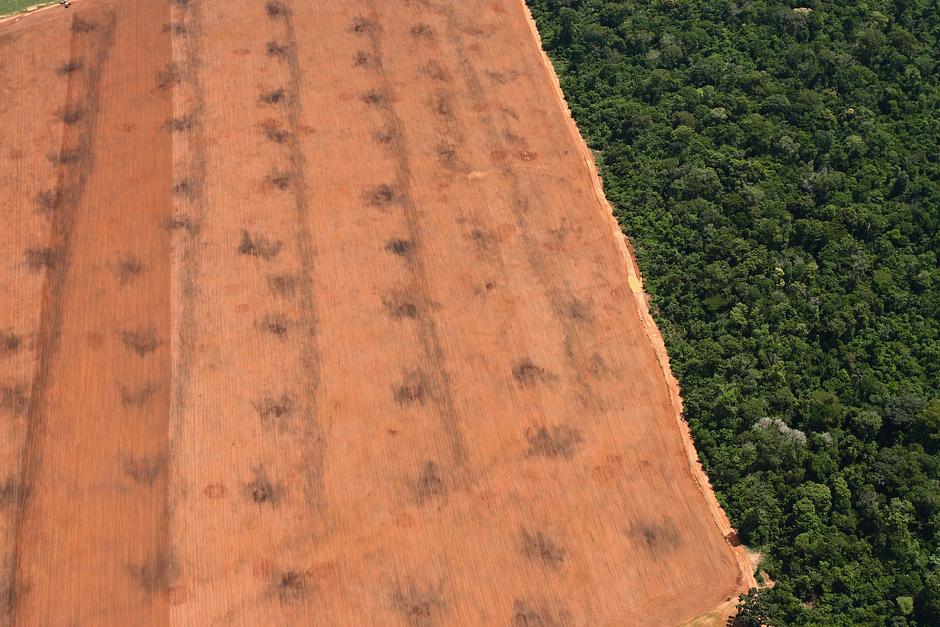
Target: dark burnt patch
[[181, 124], [144, 470], [128, 269], [484, 242], [430, 484], [443, 105], [12, 494], [658, 539], [401, 306], [412, 390], [142, 340], [539, 547], [277, 49], [69, 67], [422, 31], [363, 59], [174, 28], [184, 188], [137, 396], [81, 27], [10, 343], [382, 196], [67, 156], [275, 133], [364, 26], [13, 399], [275, 324], [71, 114], [282, 284], [279, 180], [273, 412], [399, 246], [276, 10], [420, 606], [39, 259], [261, 490], [385, 137], [435, 71], [375, 98], [527, 373], [579, 311], [449, 157], [255, 245], [273, 97], [526, 614], [48, 201], [559, 441], [155, 575], [181, 222], [168, 77], [289, 586]]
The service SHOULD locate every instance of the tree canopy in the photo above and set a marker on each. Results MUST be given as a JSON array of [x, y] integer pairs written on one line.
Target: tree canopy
[[777, 167]]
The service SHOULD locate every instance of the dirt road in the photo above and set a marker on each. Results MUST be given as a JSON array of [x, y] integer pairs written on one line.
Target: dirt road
[[312, 315]]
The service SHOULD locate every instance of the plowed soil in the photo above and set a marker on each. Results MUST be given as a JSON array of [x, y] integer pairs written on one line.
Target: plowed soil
[[312, 313]]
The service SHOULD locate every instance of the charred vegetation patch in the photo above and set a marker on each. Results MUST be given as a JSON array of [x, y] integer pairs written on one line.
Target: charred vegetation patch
[[420, 606], [385, 137], [12, 493], [277, 49], [484, 242], [155, 575], [261, 490], [174, 28], [13, 399], [67, 156], [289, 586], [255, 245], [363, 59], [69, 67], [435, 71], [279, 180], [658, 539], [527, 373], [142, 340], [375, 98], [443, 105], [10, 343], [382, 196], [449, 158], [181, 124], [169, 77], [181, 222], [422, 31], [539, 547], [401, 306], [128, 269], [71, 114], [144, 470], [44, 258], [524, 614], [412, 390], [274, 132], [276, 10], [275, 324], [364, 26], [49, 201], [274, 96], [559, 441], [81, 27], [399, 246], [430, 484], [282, 284], [274, 411], [137, 397]]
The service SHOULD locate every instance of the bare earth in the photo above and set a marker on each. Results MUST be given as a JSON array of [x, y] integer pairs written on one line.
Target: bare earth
[[313, 313]]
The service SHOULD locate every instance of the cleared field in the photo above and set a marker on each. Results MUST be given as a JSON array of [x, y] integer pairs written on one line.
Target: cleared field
[[312, 315]]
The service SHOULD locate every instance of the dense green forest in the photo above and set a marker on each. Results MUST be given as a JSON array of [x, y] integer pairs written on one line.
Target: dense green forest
[[776, 166]]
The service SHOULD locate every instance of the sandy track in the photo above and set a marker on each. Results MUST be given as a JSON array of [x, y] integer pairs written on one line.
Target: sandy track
[[325, 325]]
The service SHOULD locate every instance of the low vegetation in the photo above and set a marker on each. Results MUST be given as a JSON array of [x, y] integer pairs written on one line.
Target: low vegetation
[[776, 165]]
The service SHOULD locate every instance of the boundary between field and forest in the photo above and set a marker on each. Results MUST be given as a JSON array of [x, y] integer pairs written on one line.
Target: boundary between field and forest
[[746, 560]]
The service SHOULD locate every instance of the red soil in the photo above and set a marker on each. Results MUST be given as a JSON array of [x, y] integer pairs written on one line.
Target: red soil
[[313, 313]]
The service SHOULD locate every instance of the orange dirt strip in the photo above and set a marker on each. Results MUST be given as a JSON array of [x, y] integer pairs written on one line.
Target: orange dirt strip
[[312, 314]]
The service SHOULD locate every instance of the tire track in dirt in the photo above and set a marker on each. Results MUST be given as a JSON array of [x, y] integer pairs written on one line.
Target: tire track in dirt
[[566, 308], [439, 383], [313, 436], [90, 44]]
